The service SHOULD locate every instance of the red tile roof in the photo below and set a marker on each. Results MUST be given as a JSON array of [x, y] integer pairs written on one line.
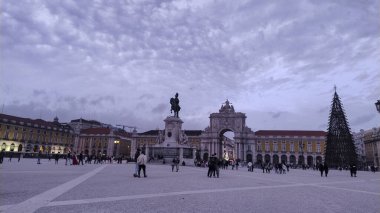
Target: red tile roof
[[290, 133]]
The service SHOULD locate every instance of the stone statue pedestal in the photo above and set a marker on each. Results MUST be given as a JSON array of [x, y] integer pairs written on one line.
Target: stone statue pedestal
[[173, 128], [171, 146]]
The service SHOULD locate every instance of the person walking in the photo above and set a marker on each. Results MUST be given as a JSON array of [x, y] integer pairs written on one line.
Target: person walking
[[211, 166], [68, 158], [321, 169], [250, 167], [141, 161], [56, 158], [19, 157], [10, 157], [2, 156], [81, 158], [353, 169], [75, 159], [326, 168], [137, 154], [175, 163], [39, 157]]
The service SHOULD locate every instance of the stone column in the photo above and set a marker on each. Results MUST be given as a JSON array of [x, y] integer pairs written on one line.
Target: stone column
[[180, 155], [133, 147], [147, 150]]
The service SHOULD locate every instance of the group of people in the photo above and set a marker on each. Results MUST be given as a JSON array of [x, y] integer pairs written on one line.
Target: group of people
[[141, 160], [324, 168], [2, 155], [213, 166]]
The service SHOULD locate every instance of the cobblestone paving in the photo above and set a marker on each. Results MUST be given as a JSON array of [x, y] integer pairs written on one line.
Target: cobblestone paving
[[28, 187]]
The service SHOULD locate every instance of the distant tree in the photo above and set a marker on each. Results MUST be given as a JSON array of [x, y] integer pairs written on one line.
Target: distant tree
[[340, 148]]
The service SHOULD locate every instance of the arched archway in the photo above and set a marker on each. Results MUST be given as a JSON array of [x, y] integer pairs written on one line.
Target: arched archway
[[259, 158], [29, 147], [226, 144], [267, 158], [205, 156], [310, 160], [249, 157], [292, 160], [19, 149], [284, 159], [275, 159], [36, 148], [3, 146], [228, 120], [301, 160]]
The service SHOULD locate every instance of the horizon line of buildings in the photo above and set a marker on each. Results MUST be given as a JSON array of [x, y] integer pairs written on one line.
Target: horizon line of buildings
[[25, 135]]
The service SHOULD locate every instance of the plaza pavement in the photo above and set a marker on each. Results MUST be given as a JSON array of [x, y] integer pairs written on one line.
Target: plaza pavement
[[29, 187]]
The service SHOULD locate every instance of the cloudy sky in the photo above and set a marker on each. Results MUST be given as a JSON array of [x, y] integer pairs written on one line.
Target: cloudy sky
[[120, 62]]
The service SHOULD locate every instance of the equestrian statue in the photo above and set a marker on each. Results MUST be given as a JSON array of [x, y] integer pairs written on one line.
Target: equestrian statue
[[175, 105]]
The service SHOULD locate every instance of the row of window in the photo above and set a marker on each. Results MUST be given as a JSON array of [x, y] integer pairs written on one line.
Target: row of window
[[29, 147], [292, 149], [30, 137], [24, 129]]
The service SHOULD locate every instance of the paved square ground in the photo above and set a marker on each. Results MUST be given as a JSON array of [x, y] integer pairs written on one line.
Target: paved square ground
[[28, 187]]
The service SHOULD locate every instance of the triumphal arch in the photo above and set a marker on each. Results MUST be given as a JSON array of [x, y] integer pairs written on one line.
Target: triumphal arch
[[212, 139]]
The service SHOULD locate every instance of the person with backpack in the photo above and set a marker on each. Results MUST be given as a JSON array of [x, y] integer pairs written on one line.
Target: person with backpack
[[141, 161]]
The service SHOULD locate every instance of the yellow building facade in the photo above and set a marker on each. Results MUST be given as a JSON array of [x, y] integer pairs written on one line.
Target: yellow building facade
[[290, 146], [24, 135]]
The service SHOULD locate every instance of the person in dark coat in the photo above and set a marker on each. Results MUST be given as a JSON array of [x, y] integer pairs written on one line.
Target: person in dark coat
[[326, 168], [10, 157], [1, 156], [39, 157], [321, 169], [212, 164], [81, 158], [175, 164], [353, 169], [56, 158]]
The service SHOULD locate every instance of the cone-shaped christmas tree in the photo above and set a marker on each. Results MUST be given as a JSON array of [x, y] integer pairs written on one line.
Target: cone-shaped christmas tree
[[340, 147]]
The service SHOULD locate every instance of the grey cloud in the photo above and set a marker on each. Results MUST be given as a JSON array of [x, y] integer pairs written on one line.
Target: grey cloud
[[146, 96], [140, 105], [362, 77], [323, 109], [103, 100], [123, 53], [276, 115], [362, 119], [39, 92], [160, 108]]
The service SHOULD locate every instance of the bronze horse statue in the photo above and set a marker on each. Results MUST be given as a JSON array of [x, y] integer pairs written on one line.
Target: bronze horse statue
[[175, 105]]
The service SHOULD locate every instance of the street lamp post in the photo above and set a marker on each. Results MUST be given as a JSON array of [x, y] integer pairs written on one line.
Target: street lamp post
[[377, 104], [116, 147]]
